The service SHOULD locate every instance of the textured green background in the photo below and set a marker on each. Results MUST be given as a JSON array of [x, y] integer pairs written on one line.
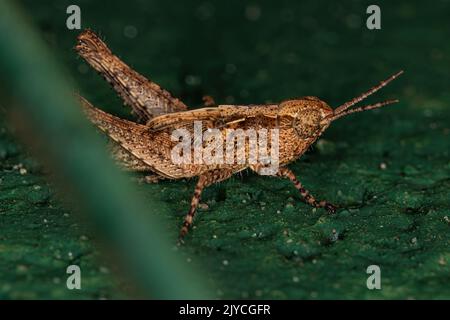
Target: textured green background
[[256, 239]]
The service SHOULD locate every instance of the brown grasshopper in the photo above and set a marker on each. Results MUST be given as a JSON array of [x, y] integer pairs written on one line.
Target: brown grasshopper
[[146, 144]]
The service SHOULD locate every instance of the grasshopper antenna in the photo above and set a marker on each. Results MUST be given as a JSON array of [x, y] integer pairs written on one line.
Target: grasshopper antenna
[[364, 108], [363, 96]]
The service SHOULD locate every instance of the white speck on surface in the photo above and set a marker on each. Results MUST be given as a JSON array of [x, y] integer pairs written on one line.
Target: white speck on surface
[[203, 206], [334, 235]]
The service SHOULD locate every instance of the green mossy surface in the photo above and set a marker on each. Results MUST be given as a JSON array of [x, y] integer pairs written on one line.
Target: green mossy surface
[[388, 170]]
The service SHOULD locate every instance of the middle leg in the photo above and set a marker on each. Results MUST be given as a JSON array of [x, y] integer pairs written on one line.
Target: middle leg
[[287, 173], [204, 180]]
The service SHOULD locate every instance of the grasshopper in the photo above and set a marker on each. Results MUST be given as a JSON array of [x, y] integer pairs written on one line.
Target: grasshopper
[[146, 144]]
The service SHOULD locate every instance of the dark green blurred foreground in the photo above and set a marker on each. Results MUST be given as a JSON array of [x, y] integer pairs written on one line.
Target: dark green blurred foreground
[[389, 169]]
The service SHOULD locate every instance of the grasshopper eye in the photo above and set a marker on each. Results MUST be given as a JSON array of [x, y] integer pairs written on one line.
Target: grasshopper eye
[[307, 123]]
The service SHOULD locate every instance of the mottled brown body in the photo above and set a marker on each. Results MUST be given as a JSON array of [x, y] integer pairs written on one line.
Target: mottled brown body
[[147, 143]]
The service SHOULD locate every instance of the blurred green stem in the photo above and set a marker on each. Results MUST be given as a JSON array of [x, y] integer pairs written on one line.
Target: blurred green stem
[[31, 75]]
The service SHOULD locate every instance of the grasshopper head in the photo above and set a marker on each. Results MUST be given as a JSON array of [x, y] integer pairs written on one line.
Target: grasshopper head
[[308, 116]]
